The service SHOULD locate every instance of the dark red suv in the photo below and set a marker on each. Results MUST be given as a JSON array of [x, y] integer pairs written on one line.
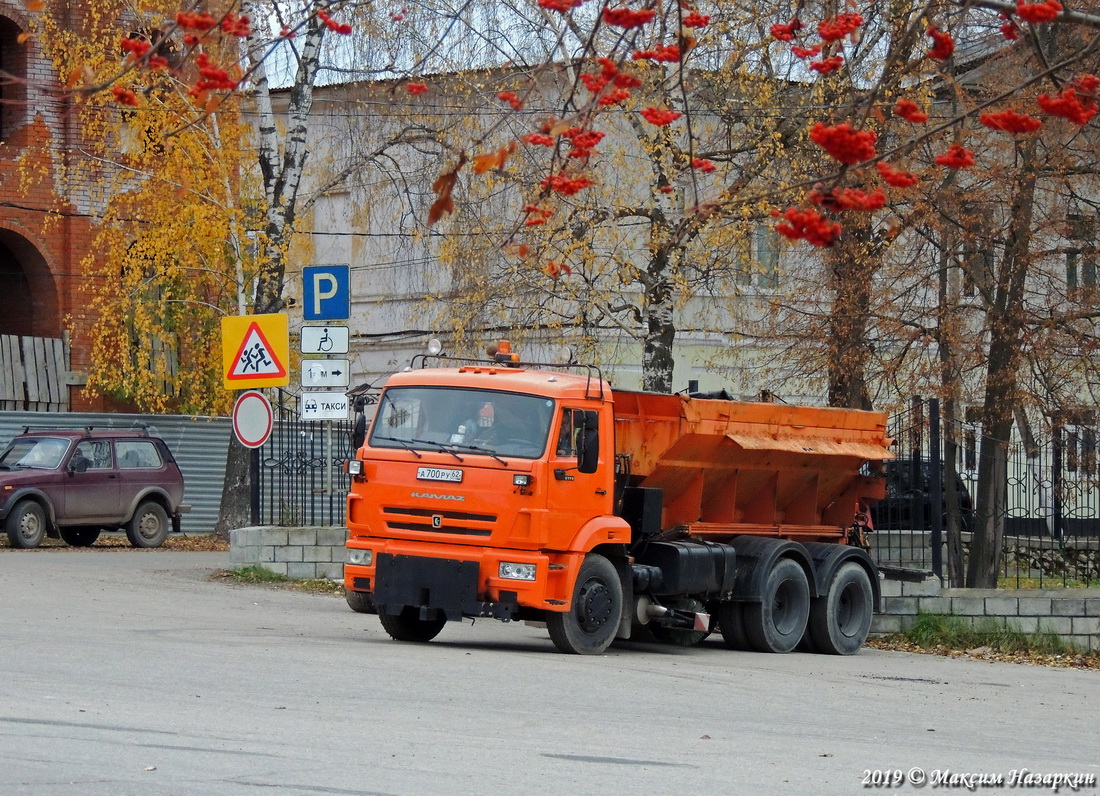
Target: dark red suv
[[77, 483]]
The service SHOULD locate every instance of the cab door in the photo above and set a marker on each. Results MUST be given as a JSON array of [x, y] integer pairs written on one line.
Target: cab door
[[91, 486], [575, 497]]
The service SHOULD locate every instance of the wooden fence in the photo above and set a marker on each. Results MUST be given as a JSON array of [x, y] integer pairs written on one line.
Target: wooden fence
[[34, 373]]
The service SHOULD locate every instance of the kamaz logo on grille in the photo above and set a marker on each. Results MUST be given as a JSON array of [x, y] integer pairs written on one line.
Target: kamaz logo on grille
[[437, 520], [433, 496]]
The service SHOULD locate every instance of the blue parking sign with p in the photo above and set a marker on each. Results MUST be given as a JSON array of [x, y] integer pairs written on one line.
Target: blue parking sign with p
[[327, 292]]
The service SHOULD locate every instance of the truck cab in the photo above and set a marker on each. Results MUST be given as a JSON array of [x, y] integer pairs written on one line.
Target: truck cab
[[478, 492]]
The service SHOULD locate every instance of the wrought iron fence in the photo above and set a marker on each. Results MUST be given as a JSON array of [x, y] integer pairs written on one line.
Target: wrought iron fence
[[299, 470], [1051, 511]]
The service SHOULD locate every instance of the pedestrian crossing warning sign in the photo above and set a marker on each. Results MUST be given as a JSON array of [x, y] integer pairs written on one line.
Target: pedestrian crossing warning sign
[[255, 351]]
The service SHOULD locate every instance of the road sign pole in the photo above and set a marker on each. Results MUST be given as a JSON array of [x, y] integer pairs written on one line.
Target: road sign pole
[[254, 485]]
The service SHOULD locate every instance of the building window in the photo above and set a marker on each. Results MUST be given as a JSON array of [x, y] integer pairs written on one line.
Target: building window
[[760, 264], [1081, 254], [13, 91]]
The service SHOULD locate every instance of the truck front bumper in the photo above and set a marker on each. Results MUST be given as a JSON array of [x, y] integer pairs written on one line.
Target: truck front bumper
[[436, 585], [456, 582]]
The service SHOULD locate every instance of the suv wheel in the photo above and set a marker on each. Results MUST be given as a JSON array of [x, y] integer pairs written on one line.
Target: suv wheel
[[26, 525], [149, 525]]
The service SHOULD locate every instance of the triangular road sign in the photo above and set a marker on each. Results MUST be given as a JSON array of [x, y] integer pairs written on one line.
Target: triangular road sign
[[255, 351], [256, 358]]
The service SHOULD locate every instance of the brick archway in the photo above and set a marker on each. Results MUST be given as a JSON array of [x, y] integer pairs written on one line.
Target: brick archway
[[28, 293]]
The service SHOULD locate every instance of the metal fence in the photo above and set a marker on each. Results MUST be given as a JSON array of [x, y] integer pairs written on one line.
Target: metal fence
[[1051, 511], [298, 474]]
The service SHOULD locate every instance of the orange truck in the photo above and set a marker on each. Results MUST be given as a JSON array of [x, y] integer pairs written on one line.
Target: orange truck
[[538, 493]]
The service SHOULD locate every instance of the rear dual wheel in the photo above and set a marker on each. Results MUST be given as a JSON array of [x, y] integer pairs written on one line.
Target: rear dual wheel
[[778, 621], [840, 621]]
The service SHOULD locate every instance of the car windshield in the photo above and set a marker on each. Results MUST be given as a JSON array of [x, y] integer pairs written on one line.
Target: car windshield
[[40, 452], [462, 421]]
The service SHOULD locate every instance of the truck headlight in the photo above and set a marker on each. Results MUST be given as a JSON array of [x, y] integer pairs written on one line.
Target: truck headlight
[[513, 571], [361, 557]]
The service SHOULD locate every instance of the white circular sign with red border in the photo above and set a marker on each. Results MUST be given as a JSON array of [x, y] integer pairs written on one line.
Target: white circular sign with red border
[[252, 419]]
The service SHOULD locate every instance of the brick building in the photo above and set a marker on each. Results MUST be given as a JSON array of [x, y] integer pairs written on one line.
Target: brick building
[[46, 230]]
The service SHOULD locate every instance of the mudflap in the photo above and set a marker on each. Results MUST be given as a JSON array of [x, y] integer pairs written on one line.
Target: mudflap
[[434, 586]]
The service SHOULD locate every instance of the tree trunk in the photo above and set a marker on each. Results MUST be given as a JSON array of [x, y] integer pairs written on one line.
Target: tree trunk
[[1005, 327], [281, 168], [657, 359], [236, 510], [852, 270]]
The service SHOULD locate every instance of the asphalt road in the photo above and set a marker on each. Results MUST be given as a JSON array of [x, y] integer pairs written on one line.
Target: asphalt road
[[133, 673]]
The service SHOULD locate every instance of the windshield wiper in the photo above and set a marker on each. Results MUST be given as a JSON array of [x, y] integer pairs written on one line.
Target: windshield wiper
[[441, 445], [479, 449], [402, 443]]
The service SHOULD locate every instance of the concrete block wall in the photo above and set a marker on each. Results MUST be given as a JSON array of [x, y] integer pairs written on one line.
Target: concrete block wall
[[307, 552], [1072, 614]]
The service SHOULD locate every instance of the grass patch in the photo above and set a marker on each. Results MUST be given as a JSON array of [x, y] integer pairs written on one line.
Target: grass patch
[[953, 632], [260, 576]]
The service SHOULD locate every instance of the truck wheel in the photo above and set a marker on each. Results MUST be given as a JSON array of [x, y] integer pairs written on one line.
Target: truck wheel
[[26, 525], [79, 535], [589, 627], [359, 601], [149, 525], [841, 620], [777, 622], [408, 626], [678, 636], [732, 625]]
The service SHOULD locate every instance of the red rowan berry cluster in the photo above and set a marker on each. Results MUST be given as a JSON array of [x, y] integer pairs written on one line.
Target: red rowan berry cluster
[[660, 116], [843, 143], [838, 27], [895, 178], [943, 46], [808, 225], [1038, 13], [627, 18], [956, 157], [909, 111], [1009, 121]]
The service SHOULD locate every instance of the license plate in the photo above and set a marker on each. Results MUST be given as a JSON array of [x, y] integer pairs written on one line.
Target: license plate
[[438, 474]]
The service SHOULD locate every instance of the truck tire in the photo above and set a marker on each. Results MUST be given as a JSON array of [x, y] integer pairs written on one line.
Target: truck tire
[[359, 601], [26, 525], [591, 624], [840, 621], [732, 625], [777, 622], [149, 525], [79, 535], [408, 626]]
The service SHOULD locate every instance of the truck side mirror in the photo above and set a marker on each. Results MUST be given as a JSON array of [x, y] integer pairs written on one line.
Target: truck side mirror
[[588, 448]]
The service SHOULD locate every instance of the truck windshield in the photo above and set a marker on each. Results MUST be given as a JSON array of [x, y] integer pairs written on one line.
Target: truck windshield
[[467, 421]]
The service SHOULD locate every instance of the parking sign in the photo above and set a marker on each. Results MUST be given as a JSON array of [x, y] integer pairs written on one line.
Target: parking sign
[[327, 292]]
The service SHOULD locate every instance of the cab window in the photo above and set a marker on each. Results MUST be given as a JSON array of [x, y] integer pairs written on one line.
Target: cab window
[[137, 455], [94, 453]]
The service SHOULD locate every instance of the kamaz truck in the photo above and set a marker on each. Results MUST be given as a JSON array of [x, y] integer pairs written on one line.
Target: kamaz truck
[[540, 493]]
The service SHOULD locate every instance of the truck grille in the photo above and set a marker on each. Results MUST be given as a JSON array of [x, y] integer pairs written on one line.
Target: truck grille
[[460, 523]]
